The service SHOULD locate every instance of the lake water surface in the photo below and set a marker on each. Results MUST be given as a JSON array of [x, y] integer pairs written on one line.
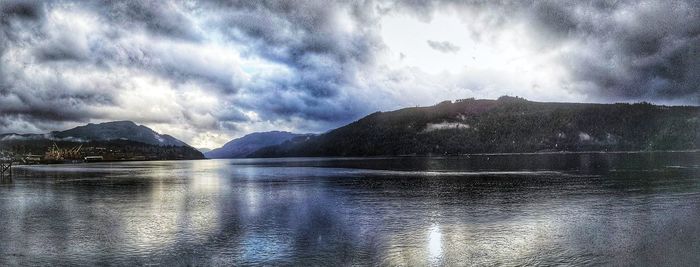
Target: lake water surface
[[573, 209]]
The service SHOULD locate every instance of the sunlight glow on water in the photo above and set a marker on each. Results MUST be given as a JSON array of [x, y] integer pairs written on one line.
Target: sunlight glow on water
[[435, 244], [507, 210]]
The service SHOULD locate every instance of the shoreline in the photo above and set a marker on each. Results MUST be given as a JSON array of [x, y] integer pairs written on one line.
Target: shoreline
[[585, 152], [489, 154], [388, 156]]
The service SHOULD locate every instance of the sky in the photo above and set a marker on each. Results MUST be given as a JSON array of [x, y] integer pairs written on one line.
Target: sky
[[209, 71]]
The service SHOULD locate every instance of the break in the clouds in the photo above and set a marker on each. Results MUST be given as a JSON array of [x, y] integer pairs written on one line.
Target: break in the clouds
[[209, 71]]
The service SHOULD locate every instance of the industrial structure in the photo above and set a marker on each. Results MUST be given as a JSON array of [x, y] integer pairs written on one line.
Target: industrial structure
[[56, 153], [29, 152]]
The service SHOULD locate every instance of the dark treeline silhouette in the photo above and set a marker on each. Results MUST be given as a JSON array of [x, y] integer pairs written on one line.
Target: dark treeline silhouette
[[509, 124]]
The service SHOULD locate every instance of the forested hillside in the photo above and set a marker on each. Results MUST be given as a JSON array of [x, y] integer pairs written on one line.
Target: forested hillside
[[508, 124]]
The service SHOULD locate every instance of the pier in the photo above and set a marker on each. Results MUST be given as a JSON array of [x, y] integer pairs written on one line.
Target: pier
[[5, 167]]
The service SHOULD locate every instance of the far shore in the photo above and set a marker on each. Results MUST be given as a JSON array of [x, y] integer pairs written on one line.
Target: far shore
[[391, 156]]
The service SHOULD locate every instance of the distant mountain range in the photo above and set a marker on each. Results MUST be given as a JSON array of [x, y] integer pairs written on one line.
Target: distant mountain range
[[203, 149], [508, 124], [122, 137], [505, 125], [242, 147]]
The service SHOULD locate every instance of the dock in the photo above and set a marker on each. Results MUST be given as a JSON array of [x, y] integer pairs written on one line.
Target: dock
[[5, 167]]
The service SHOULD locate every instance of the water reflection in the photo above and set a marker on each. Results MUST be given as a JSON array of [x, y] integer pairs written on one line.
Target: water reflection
[[435, 244], [579, 209]]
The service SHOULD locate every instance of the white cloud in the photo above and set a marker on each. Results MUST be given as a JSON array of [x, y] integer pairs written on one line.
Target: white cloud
[[206, 73]]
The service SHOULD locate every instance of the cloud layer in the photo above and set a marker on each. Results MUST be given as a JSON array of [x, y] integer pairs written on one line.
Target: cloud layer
[[209, 71]]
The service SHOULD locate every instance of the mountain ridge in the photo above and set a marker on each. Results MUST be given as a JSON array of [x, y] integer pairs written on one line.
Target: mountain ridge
[[106, 131], [243, 146], [504, 125], [110, 141], [126, 130]]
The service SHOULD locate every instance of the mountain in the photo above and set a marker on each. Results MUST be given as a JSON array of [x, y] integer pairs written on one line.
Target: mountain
[[241, 147], [118, 130], [120, 140], [508, 124]]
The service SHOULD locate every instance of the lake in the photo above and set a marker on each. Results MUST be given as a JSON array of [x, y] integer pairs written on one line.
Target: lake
[[532, 209]]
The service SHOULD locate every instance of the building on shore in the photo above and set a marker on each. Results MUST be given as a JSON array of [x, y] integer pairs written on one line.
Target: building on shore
[[93, 158]]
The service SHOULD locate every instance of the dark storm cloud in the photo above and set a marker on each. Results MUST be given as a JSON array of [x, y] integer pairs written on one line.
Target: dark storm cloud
[[304, 36], [15, 16], [651, 52], [641, 50], [57, 68], [47, 85], [20, 9], [292, 31], [307, 37], [627, 50], [631, 50], [160, 17], [316, 95], [553, 18], [33, 101], [444, 46]]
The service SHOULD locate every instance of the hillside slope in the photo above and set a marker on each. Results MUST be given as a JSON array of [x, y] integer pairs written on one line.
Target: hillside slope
[[241, 147], [119, 130], [121, 140], [505, 125]]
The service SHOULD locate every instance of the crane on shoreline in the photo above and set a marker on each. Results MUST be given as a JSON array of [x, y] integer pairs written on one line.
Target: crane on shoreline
[[57, 153]]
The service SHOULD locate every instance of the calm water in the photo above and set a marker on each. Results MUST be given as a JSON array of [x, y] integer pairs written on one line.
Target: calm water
[[578, 209]]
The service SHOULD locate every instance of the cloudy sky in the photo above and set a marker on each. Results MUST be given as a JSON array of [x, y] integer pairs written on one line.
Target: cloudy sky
[[210, 71]]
